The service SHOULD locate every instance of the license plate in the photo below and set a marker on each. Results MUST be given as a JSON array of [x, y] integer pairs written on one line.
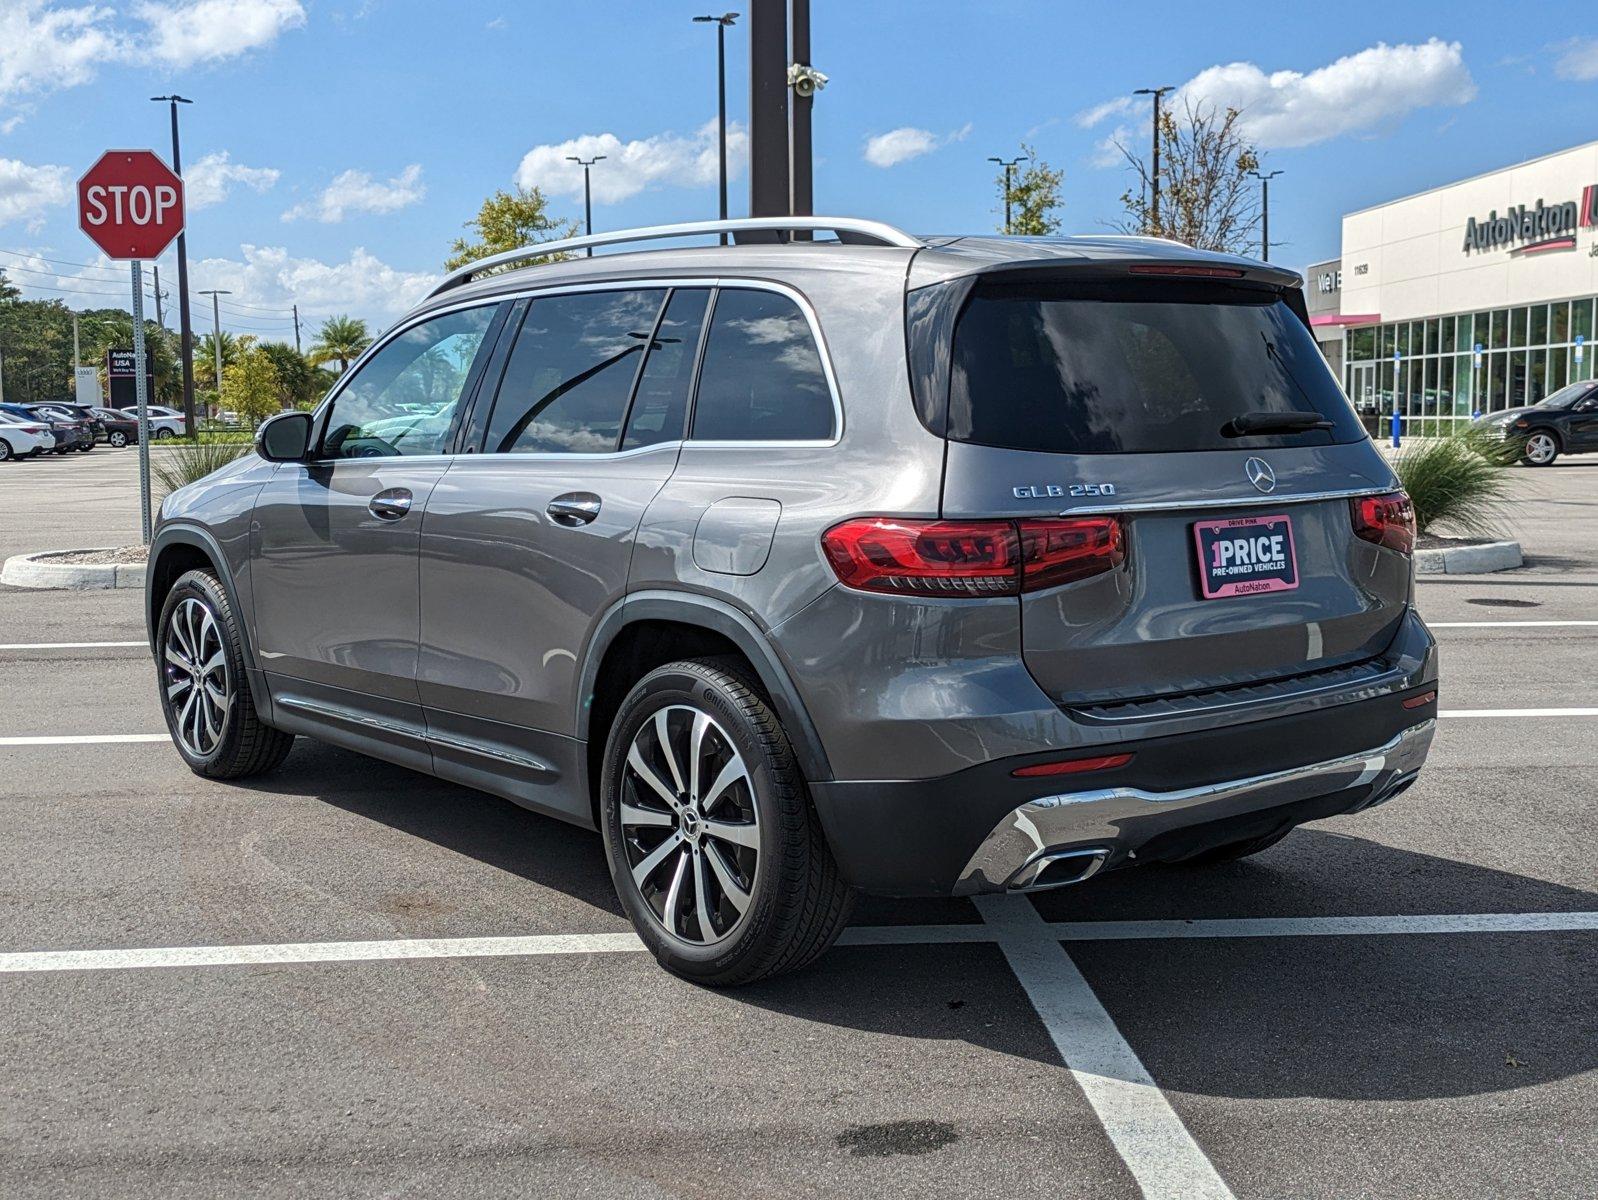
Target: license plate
[[1245, 555]]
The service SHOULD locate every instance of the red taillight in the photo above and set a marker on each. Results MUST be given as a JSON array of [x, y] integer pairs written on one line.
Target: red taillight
[[1072, 766], [1385, 521], [33, 429], [900, 556]]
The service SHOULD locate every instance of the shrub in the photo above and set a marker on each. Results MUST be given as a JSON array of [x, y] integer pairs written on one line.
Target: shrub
[[186, 462], [1456, 482]]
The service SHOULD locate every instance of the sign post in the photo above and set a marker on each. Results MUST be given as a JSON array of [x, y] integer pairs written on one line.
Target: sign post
[[131, 206]]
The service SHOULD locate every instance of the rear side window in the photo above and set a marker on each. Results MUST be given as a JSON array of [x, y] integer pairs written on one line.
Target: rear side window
[[567, 382], [762, 379], [660, 405], [1135, 368]]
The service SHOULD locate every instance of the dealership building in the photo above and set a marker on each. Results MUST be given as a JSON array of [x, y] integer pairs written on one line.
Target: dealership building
[[1471, 297]]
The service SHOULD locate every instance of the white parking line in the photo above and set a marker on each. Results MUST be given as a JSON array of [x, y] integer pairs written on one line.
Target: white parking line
[[68, 645], [1520, 712], [1270, 927], [84, 739], [1496, 624], [1150, 1138]]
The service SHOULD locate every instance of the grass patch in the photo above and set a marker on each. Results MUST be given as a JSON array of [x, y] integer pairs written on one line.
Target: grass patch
[[186, 461], [1458, 483]]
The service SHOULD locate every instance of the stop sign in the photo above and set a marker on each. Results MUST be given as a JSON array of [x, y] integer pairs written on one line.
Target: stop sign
[[130, 204]]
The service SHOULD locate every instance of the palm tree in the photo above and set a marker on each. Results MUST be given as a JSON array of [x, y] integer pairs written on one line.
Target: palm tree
[[8, 290], [205, 356], [340, 339]]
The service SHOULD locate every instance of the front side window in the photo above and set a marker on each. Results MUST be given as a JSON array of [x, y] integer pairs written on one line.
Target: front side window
[[402, 400], [762, 379], [569, 376], [660, 405]]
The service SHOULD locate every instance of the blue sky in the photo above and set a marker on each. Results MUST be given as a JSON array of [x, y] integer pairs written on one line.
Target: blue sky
[[336, 146]]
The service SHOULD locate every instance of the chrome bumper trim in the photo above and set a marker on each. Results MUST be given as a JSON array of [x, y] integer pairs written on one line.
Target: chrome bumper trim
[[1126, 818]]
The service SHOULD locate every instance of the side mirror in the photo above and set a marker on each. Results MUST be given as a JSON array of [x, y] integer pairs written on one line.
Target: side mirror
[[285, 437]]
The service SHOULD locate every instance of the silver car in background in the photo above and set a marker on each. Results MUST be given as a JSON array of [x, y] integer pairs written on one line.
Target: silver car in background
[[833, 559]]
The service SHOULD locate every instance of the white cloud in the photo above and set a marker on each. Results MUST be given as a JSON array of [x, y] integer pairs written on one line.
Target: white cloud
[[1359, 94], [184, 32], [1578, 59], [208, 181], [27, 191], [44, 47], [631, 167], [907, 142], [269, 277], [357, 192], [1119, 106]]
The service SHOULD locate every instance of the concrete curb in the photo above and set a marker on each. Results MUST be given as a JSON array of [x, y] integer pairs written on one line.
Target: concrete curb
[[1469, 560], [37, 571]]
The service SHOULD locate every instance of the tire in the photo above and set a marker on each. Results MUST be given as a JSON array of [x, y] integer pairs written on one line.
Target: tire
[[1233, 851], [1540, 448], [197, 613], [116, 439], [5, 450], [162, 434], [795, 903]]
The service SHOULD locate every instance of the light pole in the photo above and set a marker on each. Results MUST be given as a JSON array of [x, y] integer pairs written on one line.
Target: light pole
[[216, 336], [588, 196], [1154, 207], [1009, 165], [185, 331], [721, 23], [1265, 212]]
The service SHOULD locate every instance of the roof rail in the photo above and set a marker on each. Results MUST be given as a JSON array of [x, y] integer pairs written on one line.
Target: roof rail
[[849, 229]]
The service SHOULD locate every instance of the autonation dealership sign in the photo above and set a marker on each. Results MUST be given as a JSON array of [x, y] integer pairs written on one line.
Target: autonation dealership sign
[[1542, 227]]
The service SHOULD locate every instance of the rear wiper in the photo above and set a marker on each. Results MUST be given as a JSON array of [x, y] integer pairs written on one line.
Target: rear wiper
[[1245, 424]]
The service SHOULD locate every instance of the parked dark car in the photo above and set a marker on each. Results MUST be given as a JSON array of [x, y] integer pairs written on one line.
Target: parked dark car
[[70, 432], [1564, 423], [121, 427], [81, 413]]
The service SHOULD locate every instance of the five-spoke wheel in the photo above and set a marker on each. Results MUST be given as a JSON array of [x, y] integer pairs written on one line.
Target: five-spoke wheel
[[198, 687]]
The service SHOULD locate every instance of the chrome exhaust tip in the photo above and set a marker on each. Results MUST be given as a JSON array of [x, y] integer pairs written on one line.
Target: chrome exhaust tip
[[1059, 868]]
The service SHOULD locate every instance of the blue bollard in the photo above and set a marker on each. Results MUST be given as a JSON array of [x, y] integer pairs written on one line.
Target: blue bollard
[[1398, 425]]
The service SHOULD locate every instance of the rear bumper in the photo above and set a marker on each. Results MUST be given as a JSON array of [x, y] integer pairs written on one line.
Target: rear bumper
[[983, 830]]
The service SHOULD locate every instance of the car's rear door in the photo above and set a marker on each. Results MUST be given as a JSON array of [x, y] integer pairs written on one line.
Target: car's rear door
[[1114, 400], [333, 557], [528, 539]]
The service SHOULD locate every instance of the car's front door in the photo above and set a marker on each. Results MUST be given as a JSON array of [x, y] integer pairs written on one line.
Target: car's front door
[[1582, 427], [527, 542], [333, 554]]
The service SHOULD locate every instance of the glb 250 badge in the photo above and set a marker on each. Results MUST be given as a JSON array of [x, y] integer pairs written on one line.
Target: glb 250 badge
[[1047, 491]]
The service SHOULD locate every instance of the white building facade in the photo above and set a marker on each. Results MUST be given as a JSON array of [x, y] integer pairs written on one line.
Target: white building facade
[[1472, 297]]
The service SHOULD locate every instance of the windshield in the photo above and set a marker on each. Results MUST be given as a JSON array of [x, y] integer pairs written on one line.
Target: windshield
[[1566, 396], [1138, 367]]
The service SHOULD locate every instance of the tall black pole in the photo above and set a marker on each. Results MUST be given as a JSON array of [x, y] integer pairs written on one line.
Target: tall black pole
[[1154, 181], [769, 195], [588, 196], [1265, 212], [801, 184], [1009, 165], [721, 113], [185, 331]]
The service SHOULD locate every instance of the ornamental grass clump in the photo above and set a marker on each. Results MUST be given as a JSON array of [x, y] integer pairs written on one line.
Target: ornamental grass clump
[[179, 465], [1458, 483]]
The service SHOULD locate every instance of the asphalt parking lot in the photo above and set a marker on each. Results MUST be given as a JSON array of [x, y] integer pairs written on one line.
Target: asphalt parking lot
[[352, 980]]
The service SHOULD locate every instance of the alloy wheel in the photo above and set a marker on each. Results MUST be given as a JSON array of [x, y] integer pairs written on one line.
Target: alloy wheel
[[689, 826], [199, 688], [1540, 448]]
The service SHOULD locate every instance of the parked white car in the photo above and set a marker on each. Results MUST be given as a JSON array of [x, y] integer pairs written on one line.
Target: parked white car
[[23, 439], [164, 422]]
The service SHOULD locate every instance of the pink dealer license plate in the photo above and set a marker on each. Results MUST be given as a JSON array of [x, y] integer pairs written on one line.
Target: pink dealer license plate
[[1245, 555]]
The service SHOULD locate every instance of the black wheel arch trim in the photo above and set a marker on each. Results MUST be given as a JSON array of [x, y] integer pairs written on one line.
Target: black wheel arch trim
[[203, 540], [690, 608]]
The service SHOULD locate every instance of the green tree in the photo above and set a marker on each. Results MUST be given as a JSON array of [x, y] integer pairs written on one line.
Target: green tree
[[250, 386], [8, 290], [299, 384], [1207, 199], [509, 221], [205, 357], [1033, 197], [340, 340]]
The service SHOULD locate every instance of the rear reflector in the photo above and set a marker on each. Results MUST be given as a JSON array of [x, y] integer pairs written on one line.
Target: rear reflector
[[900, 556], [1387, 520], [1072, 766], [1421, 700]]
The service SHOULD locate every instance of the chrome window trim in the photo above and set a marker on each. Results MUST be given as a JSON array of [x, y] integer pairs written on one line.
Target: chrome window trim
[[1242, 502], [647, 283]]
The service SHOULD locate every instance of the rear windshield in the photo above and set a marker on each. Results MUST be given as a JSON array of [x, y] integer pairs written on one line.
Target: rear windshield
[[1135, 367]]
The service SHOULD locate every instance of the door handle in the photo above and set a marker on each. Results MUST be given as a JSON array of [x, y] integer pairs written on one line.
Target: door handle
[[573, 509], [391, 504]]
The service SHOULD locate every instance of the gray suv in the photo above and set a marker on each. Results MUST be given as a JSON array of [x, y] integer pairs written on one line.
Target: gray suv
[[830, 560]]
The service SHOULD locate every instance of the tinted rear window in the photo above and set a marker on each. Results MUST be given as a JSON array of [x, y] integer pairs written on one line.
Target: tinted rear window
[[1134, 368]]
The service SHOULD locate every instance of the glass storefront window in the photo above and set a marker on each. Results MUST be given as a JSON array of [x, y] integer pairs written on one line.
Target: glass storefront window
[[1581, 319], [1500, 329], [1362, 344], [1445, 335], [1386, 346], [1558, 360], [1536, 376], [1517, 379], [1559, 322], [1494, 395], [1517, 327], [1538, 335], [1417, 337], [1431, 336]]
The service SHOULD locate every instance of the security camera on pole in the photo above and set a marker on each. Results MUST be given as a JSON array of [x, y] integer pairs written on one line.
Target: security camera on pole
[[131, 206]]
